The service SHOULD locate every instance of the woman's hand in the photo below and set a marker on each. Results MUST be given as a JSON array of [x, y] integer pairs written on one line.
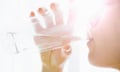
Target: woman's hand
[[54, 40]]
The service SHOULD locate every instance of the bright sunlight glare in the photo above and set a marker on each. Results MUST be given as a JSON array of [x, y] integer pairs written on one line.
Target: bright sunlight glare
[[15, 19]]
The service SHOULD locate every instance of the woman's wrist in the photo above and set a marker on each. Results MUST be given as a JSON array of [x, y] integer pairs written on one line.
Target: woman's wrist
[[53, 61], [52, 69]]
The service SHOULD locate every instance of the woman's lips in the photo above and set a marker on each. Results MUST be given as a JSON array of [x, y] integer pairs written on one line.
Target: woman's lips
[[90, 39], [89, 43]]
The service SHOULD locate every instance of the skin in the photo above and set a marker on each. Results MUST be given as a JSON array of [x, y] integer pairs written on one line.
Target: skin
[[52, 60], [104, 47], [104, 44]]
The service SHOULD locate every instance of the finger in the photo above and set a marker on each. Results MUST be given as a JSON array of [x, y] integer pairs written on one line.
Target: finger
[[35, 21], [53, 41], [67, 50], [58, 14], [49, 20], [71, 19], [39, 29], [32, 14], [69, 39]]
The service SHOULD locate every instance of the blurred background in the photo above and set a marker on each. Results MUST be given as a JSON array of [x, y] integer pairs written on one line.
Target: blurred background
[[18, 53]]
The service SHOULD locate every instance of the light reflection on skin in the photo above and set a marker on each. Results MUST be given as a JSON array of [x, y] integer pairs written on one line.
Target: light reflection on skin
[[104, 47], [53, 60]]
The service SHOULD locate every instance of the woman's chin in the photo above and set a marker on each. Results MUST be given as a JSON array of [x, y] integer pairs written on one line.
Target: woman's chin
[[96, 61], [94, 58]]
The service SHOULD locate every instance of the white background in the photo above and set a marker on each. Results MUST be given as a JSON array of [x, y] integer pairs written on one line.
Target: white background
[[14, 17]]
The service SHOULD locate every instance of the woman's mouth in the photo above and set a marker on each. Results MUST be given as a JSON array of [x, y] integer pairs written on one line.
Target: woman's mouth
[[90, 39]]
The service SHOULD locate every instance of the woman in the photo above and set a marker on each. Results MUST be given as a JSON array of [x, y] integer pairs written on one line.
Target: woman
[[104, 39]]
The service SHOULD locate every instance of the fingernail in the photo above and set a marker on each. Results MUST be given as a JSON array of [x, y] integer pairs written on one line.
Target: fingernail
[[42, 11], [32, 14], [53, 6], [67, 49]]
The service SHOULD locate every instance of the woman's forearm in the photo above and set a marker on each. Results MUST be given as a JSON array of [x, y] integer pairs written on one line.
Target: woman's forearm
[[52, 69], [50, 61]]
